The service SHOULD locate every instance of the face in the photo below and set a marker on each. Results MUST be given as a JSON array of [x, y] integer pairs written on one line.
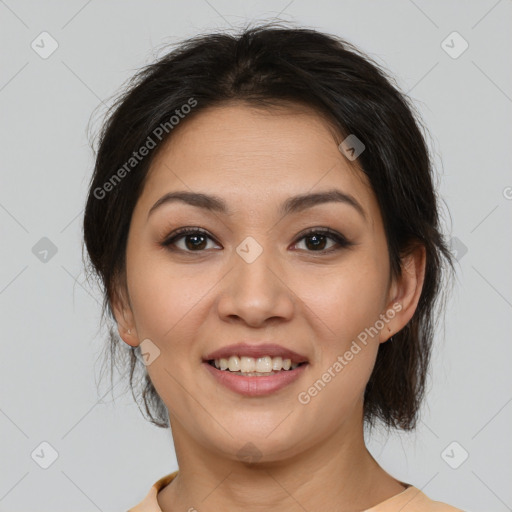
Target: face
[[259, 273]]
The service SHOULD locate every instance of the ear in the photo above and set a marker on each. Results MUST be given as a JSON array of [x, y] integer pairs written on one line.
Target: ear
[[405, 291], [123, 314]]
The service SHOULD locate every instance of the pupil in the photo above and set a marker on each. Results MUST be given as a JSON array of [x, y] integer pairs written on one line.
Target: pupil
[[194, 245], [319, 241], [311, 237]]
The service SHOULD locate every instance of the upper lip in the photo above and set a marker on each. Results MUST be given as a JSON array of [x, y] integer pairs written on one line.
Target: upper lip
[[256, 350]]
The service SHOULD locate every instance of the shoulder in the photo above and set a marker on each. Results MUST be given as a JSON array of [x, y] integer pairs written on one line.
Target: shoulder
[[414, 500], [150, 502]]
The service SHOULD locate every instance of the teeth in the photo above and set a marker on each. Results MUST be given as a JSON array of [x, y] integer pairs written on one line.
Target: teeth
[[264, 364], [277, 363], [234, 364], [247, 364], [251, 366]]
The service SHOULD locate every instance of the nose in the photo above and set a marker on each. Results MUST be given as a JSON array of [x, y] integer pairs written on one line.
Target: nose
[[256, 293]]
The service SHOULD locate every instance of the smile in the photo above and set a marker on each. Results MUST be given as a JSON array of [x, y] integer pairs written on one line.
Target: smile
[[254, 367], [255, 384]]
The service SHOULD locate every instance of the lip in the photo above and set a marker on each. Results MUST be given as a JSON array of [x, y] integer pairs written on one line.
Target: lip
[[255, 386], [259, 350]]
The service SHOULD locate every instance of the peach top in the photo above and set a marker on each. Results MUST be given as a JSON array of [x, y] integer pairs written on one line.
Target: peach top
[[409, 500]]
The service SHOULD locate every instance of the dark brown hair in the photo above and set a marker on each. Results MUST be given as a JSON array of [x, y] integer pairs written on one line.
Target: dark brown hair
[[266, 66]]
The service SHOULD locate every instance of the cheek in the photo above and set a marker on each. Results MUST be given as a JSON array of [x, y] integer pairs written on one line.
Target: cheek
[[164, 297], [349, 307], [350, 298], [154, 304]]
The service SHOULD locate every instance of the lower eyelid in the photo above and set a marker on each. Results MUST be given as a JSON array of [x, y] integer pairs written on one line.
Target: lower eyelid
[[332, 239], [338, 240], [171, 242]]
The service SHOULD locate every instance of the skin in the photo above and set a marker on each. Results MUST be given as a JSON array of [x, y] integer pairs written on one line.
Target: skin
[[313, 456]]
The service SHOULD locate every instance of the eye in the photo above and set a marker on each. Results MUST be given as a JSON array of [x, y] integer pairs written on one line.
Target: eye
[[194, 240], [318, 237]]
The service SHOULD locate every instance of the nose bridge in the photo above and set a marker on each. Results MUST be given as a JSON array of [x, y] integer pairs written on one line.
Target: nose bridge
[[253, 262], [255, 290]]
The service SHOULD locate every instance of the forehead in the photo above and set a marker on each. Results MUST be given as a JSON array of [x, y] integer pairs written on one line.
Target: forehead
[[240, 152]]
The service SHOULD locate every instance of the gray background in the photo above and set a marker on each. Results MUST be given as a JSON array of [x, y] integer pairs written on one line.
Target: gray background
[[108, 456]]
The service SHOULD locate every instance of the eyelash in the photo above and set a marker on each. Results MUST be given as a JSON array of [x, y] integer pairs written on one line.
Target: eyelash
[[340, 240]]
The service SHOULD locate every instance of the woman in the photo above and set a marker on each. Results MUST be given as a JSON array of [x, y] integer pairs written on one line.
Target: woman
[[264, 224]]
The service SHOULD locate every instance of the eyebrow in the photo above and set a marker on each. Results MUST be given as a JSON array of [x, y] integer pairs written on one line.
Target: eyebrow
[[293, 204]]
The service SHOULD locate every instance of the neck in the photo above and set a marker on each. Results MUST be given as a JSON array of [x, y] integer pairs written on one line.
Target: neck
[[339, 474]]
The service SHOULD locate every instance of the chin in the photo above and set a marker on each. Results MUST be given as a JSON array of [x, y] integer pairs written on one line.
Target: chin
[[255, 444]]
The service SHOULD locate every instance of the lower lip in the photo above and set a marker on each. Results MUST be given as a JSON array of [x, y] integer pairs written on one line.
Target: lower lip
[[255, 386]]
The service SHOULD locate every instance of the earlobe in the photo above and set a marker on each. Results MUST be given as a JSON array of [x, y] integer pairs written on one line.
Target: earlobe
[[124, 319], [129, 336], [405, 291]]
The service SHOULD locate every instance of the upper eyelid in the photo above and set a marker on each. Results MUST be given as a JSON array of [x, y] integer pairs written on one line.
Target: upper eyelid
[[325, 231]]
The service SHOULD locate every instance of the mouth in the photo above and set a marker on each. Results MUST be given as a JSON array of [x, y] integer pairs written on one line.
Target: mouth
[[255, 370], [254, 367]]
